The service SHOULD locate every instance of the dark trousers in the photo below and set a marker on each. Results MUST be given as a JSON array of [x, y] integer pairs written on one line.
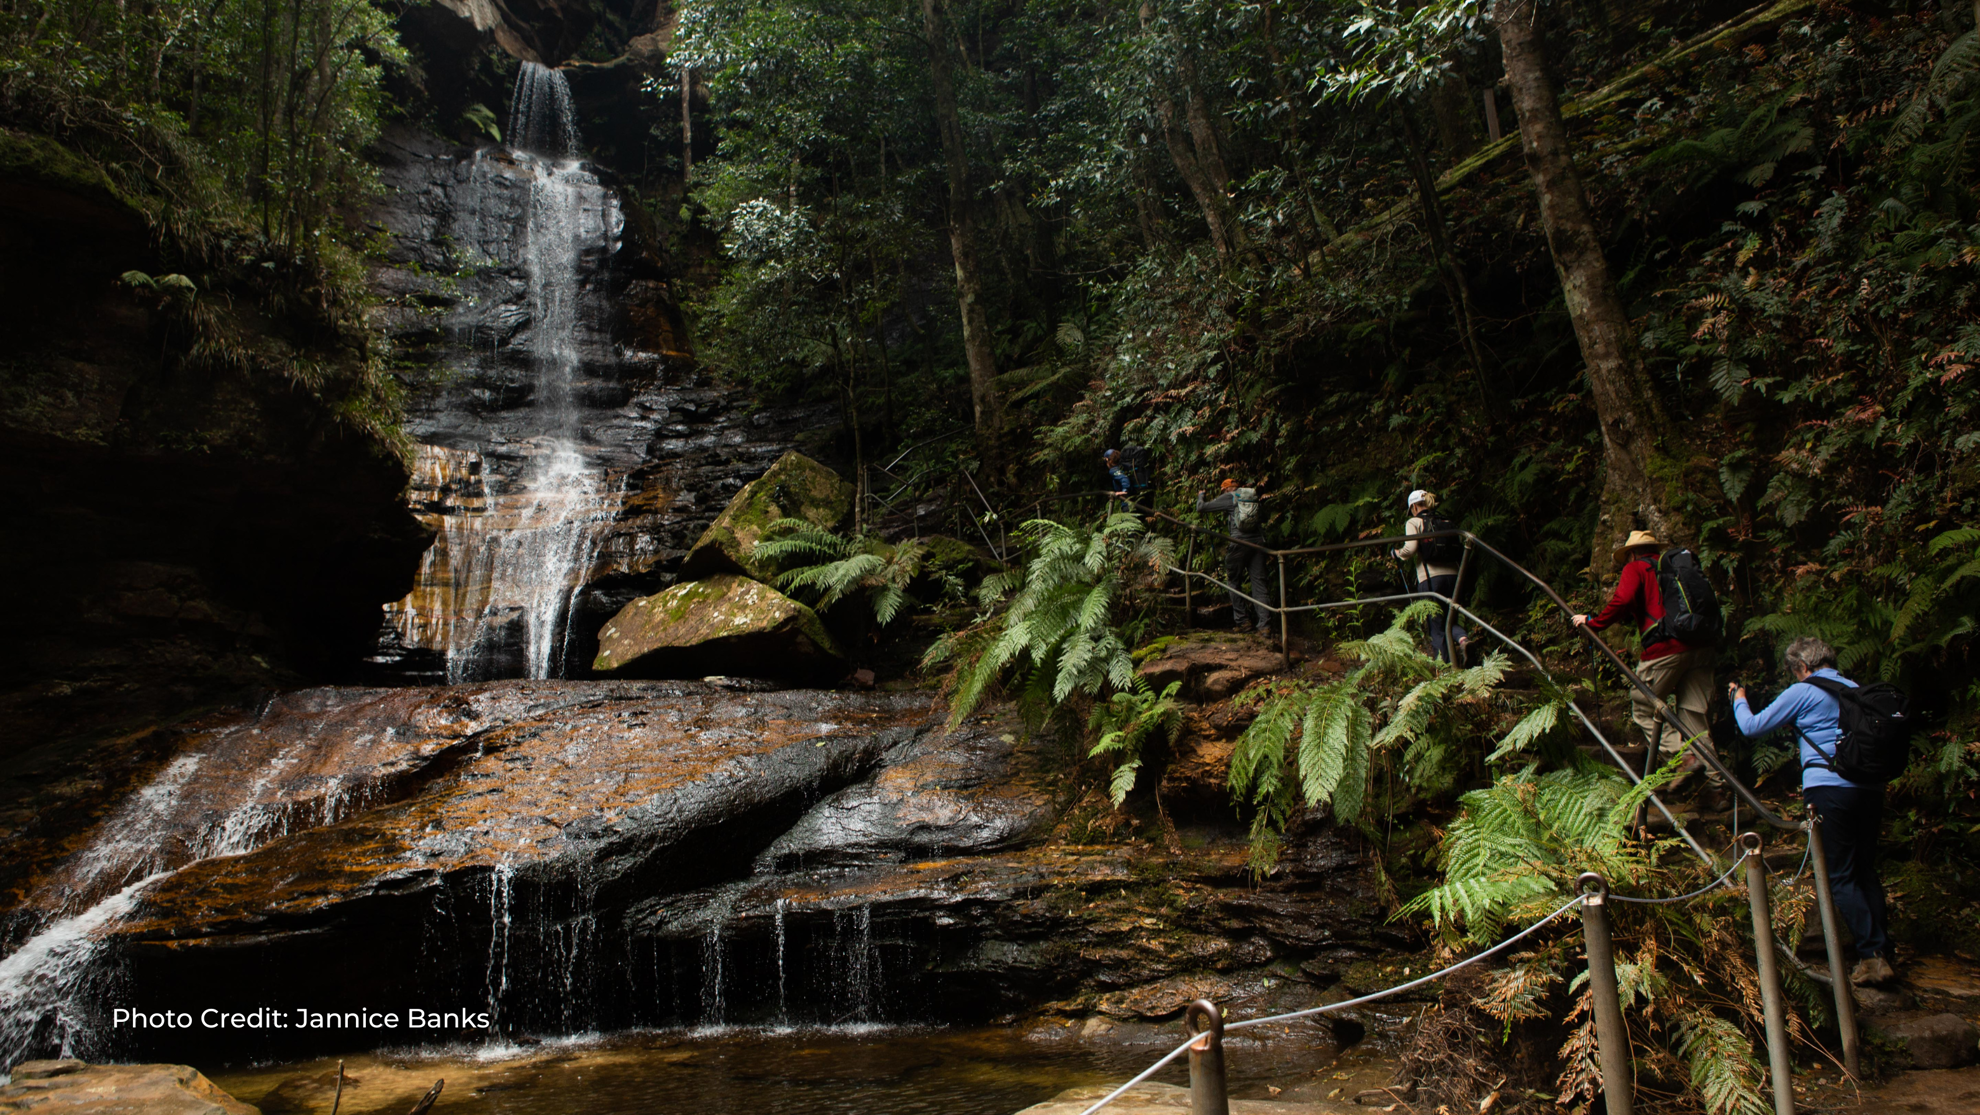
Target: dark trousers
[[1851, 817], [1444, 584], [1234, 567]]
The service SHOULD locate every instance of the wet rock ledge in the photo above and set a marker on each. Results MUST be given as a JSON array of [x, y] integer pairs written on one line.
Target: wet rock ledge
[[74, 1088], [575, 856]]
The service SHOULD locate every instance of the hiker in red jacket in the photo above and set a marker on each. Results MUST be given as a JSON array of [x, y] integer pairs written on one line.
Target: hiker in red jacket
[[1668, 664]]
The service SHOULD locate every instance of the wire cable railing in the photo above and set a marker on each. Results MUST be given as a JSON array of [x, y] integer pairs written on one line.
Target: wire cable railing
[[1810, 828], [1385, 993], [1611, 1037]]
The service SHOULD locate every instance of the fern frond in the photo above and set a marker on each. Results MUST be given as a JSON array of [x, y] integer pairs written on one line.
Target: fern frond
[[1723, 1069]]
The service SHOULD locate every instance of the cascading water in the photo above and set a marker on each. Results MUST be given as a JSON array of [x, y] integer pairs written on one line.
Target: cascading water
[[522, 520], [194, 808]]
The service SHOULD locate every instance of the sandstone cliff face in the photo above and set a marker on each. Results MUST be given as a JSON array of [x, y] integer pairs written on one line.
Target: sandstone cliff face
[[180, 534]]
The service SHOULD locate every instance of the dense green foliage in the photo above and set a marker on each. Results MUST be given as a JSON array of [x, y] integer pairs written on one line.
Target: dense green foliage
[[1791, 212], [1273, 240], [1060, 626], [211, 111], [237, 132]]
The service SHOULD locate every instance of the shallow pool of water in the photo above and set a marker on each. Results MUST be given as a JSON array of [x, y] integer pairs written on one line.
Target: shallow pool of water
[[854, 1071]]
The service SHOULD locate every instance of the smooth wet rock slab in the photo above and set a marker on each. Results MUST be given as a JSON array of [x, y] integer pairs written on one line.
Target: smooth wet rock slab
[[70, 1087]]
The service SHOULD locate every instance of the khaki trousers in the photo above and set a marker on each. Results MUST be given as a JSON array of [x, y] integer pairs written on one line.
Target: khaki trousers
[[1688, 676]]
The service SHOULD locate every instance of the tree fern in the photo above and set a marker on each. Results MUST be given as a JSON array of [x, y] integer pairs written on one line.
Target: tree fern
[[831, 568]]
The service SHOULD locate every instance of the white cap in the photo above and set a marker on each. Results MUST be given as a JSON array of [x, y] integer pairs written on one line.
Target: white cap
[[1415, 498]]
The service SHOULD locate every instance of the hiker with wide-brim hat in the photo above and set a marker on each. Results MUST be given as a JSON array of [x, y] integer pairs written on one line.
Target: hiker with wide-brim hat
[[1671, 667]]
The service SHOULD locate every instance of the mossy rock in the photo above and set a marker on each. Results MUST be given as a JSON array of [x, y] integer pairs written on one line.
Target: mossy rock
[[42, 176], [796, 487], [723, 625]]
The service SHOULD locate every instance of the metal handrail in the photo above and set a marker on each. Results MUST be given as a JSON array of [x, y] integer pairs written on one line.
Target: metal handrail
[[1810, 828], [1663, 709]]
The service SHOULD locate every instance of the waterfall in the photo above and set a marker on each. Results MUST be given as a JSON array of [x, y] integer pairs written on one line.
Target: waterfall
[[852, 931], [542, 119], [714, 950], [501, 897], [783, 1005], [47, 984], [519, 523]]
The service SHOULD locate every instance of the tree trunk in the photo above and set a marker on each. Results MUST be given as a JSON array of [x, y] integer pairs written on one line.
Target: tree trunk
[[962, 231], [687, 128], [1196, 156], [1449, 273], [1627, 411]]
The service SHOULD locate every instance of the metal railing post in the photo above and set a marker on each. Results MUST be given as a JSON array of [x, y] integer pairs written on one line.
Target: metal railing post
[[1611, 1039], [1207, 1094], [1779, 1066], [1285, 644], [1189, 603], [1450, 614], [1825, 901]]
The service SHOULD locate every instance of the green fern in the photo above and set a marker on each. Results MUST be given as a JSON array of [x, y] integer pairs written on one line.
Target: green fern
[[1955, 70], [1126, 722], [1749, 151], [1724, 1072], [1313, 743], [831, 568], [1058, 629]]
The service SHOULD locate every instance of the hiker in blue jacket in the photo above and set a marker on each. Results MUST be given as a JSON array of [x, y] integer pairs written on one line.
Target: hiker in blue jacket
[[1850, 813], [1247, 523], [1120, 485]]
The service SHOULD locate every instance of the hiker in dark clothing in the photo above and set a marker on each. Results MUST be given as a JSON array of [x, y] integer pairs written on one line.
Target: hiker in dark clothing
[[1676, 671], [1433, 576], [1247, 527], [1851, 813], [1120, 485]]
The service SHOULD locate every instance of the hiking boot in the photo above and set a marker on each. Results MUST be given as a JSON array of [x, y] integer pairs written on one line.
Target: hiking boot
[[1871, 971]]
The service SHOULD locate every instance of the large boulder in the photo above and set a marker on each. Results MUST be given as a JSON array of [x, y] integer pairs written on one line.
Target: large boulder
[[796, 487], [75, 1088], [723, 625]]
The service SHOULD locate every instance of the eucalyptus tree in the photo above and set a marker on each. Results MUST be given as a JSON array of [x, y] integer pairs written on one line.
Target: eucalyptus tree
[[279, 97], [1405, 49]]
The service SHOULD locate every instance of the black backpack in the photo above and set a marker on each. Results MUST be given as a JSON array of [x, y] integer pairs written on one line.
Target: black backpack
[[1448, 550], [1875, 743], [1691, 608], [1134, 461]]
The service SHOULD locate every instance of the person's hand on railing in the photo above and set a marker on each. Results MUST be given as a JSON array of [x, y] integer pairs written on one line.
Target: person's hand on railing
[[1579, 620]]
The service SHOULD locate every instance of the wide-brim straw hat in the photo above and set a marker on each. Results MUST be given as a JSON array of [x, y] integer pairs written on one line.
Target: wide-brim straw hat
[[1636, 538]]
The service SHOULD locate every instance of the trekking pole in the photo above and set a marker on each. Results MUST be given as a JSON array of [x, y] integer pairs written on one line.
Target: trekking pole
[[1189, 567]]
